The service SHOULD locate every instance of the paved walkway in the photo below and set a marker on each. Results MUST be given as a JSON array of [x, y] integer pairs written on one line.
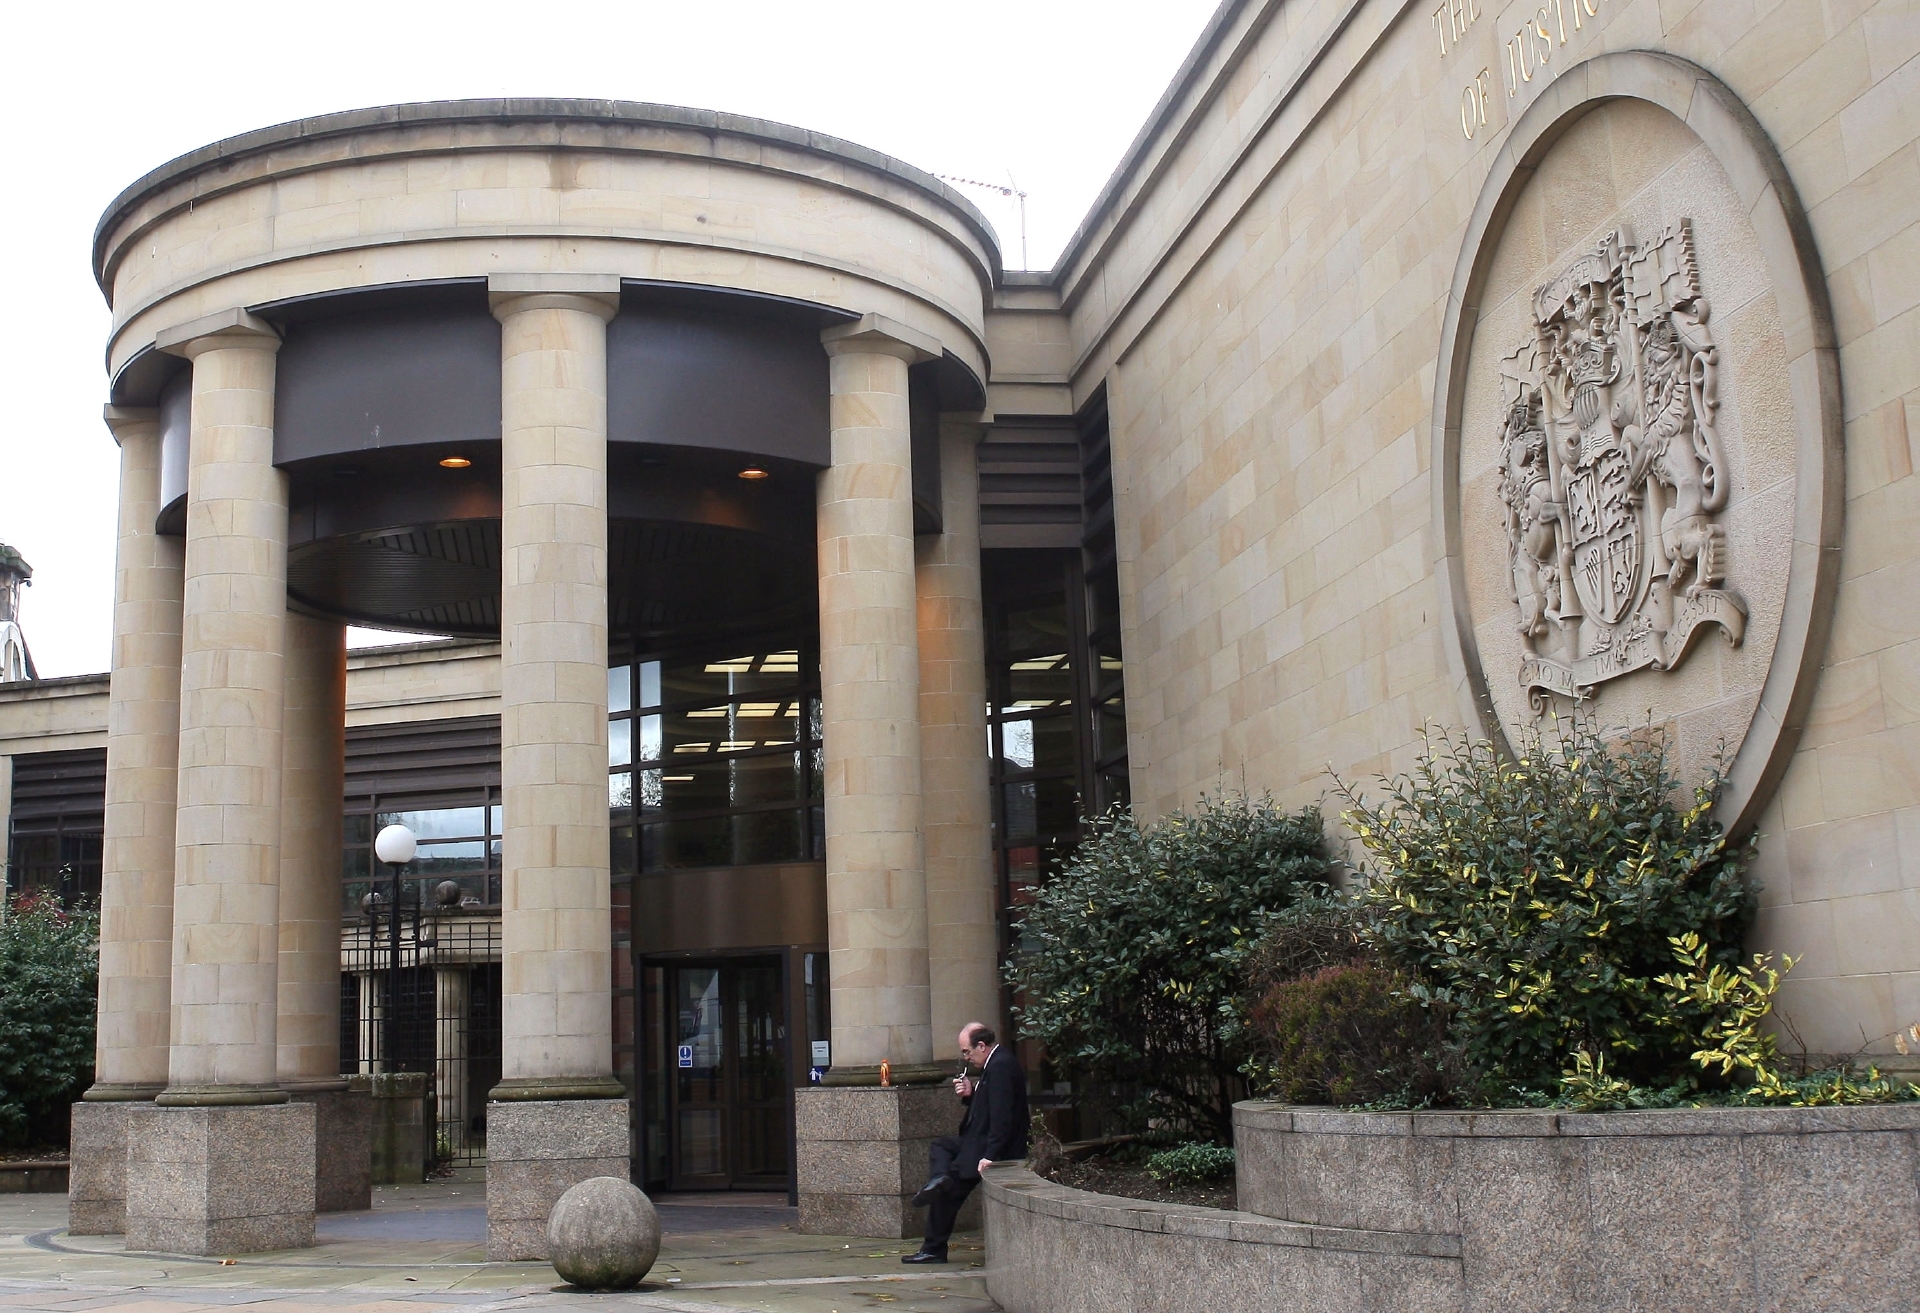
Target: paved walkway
[[423, 1248]]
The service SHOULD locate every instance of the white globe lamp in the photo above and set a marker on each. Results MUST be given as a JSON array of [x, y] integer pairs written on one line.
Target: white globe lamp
[[394, 845]]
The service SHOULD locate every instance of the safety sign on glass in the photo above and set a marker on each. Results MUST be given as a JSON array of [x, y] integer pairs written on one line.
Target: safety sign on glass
[[686, 1055]]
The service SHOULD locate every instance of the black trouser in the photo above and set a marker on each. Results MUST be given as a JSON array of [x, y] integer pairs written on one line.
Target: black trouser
[[944, 1160]]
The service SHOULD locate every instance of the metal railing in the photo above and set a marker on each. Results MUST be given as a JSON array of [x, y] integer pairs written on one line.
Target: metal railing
[[420, 992]]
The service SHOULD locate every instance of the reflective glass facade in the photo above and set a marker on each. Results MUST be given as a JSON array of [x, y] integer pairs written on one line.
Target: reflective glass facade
[[714, 760]]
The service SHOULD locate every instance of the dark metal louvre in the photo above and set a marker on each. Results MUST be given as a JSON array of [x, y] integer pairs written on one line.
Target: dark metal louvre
[[1030, 484], [423, 757], [52, 785]]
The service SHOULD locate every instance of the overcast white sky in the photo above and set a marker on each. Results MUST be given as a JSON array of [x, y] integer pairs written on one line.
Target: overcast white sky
[[1047, 92]]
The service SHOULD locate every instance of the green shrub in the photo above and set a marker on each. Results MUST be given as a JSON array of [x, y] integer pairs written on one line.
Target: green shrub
[[1192, 1163], [48, 978], [1349, 1034], [1539, 899], [1314, 931], [1131, 964]]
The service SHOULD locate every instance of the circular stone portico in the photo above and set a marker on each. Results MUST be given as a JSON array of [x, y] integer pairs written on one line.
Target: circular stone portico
[[499, 367]]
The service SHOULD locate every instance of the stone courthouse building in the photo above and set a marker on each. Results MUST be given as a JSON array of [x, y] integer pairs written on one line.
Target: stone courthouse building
[[1421, 364]]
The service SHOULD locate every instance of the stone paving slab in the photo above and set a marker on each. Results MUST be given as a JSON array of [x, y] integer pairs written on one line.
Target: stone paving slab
[[718, 1256]]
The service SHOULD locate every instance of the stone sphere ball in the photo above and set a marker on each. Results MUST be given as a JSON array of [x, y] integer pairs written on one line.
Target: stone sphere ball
[[603, 1234]]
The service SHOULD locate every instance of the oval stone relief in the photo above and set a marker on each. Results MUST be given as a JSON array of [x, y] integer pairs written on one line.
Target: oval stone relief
[[1621, 445]]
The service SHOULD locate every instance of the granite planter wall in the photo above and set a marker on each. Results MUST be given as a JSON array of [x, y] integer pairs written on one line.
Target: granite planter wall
[[1052, 1249], [1734, 1208], [1501, 1212]]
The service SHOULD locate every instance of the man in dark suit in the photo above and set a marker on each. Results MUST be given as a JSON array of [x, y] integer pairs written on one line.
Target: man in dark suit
[[994, 1127]]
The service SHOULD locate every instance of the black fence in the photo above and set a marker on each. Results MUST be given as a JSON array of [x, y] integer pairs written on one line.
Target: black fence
[[420, 992]]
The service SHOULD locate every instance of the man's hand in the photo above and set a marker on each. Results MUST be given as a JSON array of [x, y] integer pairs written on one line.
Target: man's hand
[[963, 1086], [984, 1164]]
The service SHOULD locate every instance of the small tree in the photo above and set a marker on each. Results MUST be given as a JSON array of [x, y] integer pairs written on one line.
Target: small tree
[[1132, 961], [1539, 899], [49, 971]]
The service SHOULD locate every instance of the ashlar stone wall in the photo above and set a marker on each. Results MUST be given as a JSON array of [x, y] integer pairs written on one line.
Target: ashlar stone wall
[[1263, 297]]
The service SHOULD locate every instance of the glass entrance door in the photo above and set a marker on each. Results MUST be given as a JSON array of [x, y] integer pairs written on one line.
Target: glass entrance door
[[725, 1042]]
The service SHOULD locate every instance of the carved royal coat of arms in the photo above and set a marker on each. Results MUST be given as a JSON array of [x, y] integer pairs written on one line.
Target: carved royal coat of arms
[[1612, 476]]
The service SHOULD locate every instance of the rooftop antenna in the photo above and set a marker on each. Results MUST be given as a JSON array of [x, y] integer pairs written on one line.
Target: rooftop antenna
[[1011, 190]]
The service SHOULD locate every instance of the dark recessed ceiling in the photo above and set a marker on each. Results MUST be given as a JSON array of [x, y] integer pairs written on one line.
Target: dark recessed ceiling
[[667, 581]]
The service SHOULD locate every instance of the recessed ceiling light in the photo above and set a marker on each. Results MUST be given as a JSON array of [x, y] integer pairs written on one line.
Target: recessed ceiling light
[[454, 462], [753, 472]]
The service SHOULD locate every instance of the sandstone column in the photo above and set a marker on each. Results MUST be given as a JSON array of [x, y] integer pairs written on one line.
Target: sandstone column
[[450, 1052], [373, 1022], [862, 1147], [558, 1115], [216, 1167], [312, 787], [136, 868], [963, 933]]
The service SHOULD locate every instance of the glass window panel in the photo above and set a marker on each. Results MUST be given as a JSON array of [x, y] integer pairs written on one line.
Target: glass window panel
[[712, 784], [621, 856], [753, 724], [621, 905], [619, 791], [350, 895], [1020, 814], [494, 820], [715, 681], [441, 823], [1016, 738], [472, 885], [649, 682], [768, 837], [1057, 807], [646, 738], [354, 864], [1023, 873], [1039, 682], [619, 742], [677, 844], [356, 828], [1044, 744], [620, 688], [1053, 746], [1035, 627], [438, 860]]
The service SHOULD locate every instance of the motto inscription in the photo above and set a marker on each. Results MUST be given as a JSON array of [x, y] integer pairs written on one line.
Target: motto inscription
[[1611, 470]]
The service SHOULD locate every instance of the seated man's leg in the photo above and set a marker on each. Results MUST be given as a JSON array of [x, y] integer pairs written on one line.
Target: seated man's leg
[[943, 1210], [940, 1157]]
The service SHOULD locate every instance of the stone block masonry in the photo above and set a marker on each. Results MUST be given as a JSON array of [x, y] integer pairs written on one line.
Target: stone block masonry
[[536, 1151], [220, 1180]]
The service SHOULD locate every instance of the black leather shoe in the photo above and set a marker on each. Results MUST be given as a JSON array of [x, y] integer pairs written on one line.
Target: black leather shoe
[[927, 1256], [930, 1191]]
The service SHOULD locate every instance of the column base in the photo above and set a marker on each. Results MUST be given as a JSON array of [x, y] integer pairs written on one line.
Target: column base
[[342, 1147], [536, 1151], [237, 1179], [863, 1155], [97, 1170], [399, 1129]]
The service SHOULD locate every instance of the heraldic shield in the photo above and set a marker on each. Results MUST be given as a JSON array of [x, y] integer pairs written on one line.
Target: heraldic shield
[[1611, 469]]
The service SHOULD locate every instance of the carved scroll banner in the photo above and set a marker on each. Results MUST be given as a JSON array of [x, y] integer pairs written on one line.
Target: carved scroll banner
[[1612, 476]]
